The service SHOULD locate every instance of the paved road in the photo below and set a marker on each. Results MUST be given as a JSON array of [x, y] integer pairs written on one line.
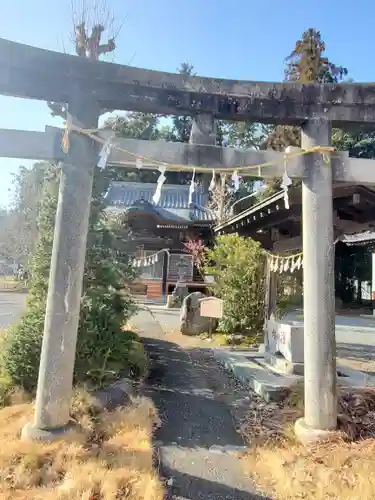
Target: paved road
[[355, 336], [11, 307], [343, 323], [198, 441], [349, 329]]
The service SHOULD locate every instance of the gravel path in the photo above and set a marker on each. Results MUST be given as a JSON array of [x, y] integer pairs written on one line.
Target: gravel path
[[197, 445]]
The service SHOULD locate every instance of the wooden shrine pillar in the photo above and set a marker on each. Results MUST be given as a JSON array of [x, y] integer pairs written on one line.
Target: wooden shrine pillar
[[270, 298]]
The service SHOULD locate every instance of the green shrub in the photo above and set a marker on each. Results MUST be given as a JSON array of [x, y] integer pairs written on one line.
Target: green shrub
[[22, 344], [238, 265], [104, 351]]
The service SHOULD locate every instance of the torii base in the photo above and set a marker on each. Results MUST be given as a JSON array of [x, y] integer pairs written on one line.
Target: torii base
[[32, 433], [309, 436]]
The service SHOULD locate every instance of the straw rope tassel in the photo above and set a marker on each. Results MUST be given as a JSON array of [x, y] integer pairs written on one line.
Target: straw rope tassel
[[65, 141]]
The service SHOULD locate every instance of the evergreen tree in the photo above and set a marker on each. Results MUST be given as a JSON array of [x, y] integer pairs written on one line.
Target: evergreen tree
[[143, 126], [358, 143], [305, 64]]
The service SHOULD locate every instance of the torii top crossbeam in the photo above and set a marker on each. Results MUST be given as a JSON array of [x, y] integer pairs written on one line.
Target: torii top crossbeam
[[35, 73]]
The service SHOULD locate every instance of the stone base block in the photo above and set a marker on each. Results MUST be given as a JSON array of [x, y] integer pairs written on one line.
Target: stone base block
[[32, 433], [282, 365], [310, 436], [251, 369]]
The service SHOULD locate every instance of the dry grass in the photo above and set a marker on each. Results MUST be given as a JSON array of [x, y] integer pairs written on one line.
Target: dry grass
[[341, 469], [10, 283], [109, 458], [361, 364], [195, 341]]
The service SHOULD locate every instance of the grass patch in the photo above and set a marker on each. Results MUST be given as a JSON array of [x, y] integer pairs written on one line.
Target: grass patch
[[9, 394], [341, 469], [10, 283], [238, 341], [109, 458]]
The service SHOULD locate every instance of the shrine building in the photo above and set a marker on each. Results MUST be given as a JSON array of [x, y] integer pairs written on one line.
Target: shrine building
[[154, 234]]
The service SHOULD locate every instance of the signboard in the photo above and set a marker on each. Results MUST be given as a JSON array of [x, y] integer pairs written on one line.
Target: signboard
[[209, 279], [211, 307], [180, 267]]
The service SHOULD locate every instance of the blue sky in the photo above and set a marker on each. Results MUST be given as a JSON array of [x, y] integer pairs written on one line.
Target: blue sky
[[240, 39]]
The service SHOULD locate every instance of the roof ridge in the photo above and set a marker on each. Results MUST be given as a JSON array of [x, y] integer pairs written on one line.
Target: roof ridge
[[150, 185]]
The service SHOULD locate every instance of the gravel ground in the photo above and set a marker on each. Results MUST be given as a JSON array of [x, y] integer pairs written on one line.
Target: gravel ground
[[198, 446]]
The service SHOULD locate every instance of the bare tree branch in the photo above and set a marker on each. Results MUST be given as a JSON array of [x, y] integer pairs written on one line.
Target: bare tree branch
[[96, 20], [221, 199]]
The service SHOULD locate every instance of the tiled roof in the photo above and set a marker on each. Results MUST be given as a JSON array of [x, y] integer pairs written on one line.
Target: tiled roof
[[359, 238], [174, 201]]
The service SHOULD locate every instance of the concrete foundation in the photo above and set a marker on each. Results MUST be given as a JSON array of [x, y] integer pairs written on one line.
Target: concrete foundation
[[282, 365], [32, 432], [309, 436], [251, 369]]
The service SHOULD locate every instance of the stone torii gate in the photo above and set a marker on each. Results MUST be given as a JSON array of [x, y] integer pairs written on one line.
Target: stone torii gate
[[88, 87]]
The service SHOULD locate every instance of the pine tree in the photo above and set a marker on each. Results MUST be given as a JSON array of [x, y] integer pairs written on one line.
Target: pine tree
[[305, 64]]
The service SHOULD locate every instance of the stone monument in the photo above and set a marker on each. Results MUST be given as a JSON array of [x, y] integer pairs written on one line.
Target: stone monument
[[191, 321], [283, 346]]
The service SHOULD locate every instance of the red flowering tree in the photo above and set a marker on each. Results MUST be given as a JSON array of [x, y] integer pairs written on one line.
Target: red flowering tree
[[196, 248]]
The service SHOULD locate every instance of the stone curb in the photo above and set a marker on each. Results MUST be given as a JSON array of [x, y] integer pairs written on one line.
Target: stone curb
[[262, 382], [273, 386]]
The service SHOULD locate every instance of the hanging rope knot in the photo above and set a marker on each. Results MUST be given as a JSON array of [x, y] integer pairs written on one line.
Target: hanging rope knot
[[286, 180], [321, 149], [325, 152], [65, 139]]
